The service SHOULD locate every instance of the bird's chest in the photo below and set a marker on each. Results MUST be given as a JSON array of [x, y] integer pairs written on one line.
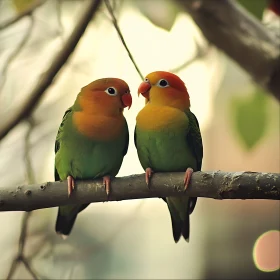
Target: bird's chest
[[86, 158], [161, 118], [162, 142], [97, 159]]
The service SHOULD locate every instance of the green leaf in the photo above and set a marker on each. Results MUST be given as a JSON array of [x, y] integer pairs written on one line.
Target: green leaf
[[250, 117], [255, 7], [161, 13], [22, 5]]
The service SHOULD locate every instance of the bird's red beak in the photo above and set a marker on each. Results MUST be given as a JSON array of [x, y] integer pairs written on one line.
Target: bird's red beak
[[144, 89], [127, 100]]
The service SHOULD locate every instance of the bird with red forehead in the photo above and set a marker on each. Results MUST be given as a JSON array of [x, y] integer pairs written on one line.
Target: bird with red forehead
[[91, 141], [168, 139]]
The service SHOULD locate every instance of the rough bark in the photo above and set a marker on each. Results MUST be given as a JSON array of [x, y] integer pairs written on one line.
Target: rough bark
[[241, 36], [216, 184]]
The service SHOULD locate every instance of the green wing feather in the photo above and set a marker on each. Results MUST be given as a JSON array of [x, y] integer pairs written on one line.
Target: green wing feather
[[57, 139], [126, 139], [194, 138]]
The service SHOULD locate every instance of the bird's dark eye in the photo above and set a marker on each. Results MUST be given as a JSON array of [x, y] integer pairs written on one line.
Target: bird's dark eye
[[147, 80], [163, 83], [111, 91]]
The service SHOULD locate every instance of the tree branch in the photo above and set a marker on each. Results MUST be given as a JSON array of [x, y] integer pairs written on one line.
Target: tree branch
[[216, 184], [228, 26], [201, 52], [47, 78]]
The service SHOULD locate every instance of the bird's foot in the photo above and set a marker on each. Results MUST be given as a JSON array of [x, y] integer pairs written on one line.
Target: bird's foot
[[107, 183], [148, 176], [71, 185], [187, 177]]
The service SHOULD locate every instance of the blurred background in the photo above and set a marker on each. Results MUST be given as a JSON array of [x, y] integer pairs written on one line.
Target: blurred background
[[230, 239]]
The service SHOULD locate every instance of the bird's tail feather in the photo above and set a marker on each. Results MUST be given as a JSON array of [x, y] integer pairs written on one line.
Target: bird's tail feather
[[65, 221], [180, 224], [64, 224], [180, 228], [186, 228]]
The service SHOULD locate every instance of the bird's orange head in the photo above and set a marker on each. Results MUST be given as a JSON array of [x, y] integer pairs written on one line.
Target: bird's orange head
[[108, 96], [164, 88]]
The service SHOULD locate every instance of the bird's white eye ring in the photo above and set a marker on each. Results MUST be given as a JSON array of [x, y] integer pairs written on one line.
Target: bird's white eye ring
[[147, 80], [111, 91], [162, 83]]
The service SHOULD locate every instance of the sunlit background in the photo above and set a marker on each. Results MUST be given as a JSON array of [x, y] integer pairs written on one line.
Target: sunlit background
[[230, 239]]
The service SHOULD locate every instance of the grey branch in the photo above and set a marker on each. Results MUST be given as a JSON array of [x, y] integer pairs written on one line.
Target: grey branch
[[216, 184], [47, 78], [201, 52], [228, 26]]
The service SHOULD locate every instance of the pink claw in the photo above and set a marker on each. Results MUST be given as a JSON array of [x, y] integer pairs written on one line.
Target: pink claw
[[148, 175], [187, 177], [71, 185], [107, 183]]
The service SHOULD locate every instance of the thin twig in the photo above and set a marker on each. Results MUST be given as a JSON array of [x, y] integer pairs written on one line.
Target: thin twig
[[47, 78], [28, 166], [115, 23], [16, 52], [200, 53], [59, 16], [24, 13], [29, 269], [26, 216], [13, 268]]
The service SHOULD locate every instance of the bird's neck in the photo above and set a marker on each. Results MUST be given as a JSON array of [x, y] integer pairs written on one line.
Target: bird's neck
[[96, 107]]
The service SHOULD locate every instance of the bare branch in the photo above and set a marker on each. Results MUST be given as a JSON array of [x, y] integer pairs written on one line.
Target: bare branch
[[59, 16], [27, 12], [228, 26], [16, 52], [29, 269], [20, 257], [218, 185], [200, 53], [114, 20], [13, 268], [47, 78]]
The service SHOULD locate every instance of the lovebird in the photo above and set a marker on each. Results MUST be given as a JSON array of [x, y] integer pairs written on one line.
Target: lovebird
[[92, 141], [168, 139]]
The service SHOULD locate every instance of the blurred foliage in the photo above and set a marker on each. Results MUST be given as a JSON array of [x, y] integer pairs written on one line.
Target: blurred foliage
[[250, 117], [22, 5], [255, 7], [161, 13]]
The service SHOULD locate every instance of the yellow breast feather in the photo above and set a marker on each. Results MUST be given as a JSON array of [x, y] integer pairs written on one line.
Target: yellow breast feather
[[155, 118]]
